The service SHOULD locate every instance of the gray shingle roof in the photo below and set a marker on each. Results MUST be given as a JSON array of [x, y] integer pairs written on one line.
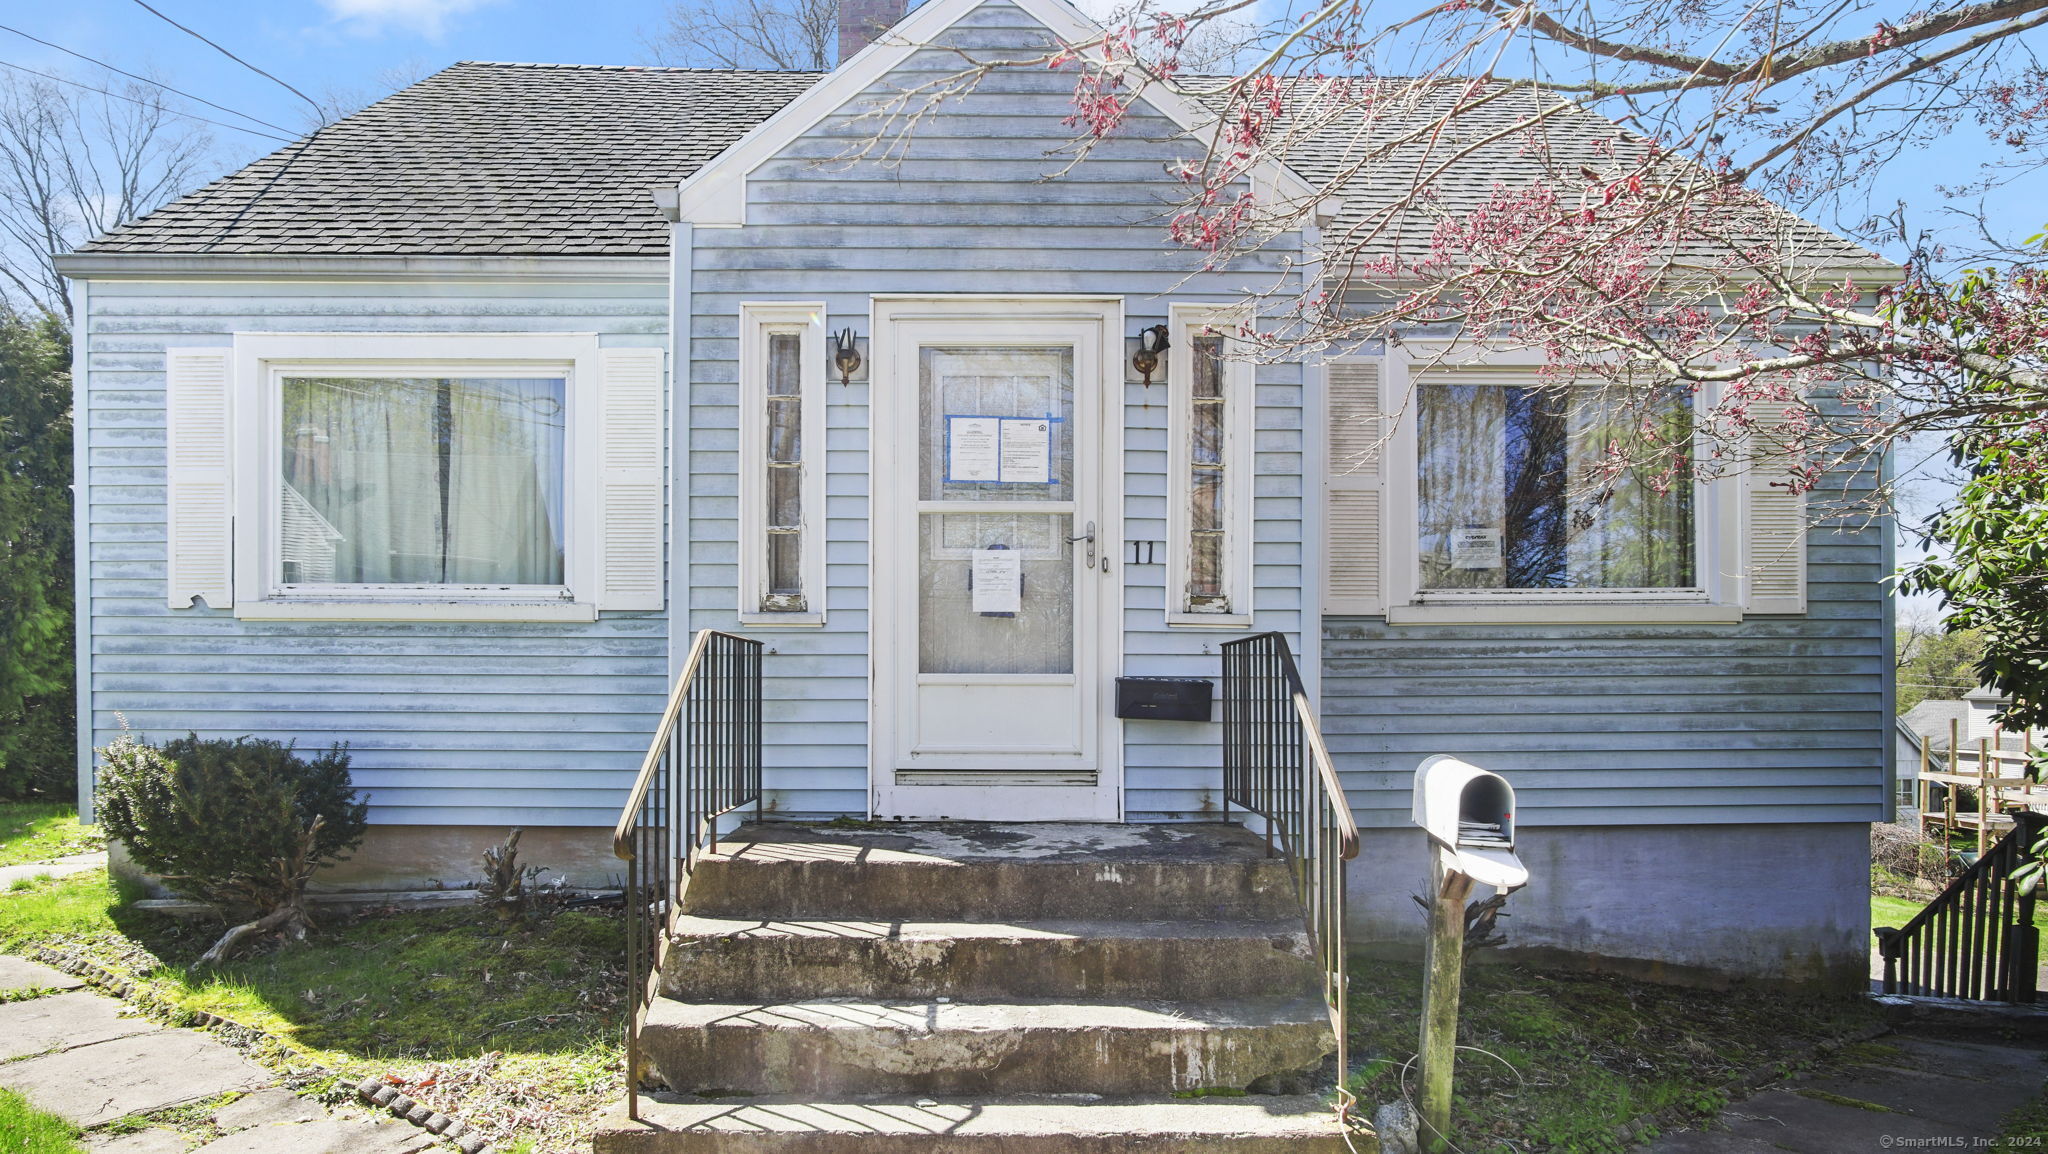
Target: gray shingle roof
[[1463, 140], [540, 159], [479, 159], [1932, 717]]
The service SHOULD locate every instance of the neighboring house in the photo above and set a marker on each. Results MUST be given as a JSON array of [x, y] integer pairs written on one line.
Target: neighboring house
[[547, 353], [1930, 720]]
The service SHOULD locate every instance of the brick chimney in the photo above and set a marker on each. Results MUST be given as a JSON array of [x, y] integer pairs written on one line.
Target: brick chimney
[[861, 21]]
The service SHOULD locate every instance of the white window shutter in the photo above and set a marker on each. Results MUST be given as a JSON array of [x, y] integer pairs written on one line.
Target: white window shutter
[[629, 421], [198, 477], [1354, 492], [1774, 523]]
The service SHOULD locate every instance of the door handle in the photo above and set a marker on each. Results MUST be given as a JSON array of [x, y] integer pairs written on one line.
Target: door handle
[[1089, 537]]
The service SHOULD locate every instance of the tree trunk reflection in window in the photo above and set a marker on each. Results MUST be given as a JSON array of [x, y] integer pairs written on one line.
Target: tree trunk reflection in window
[[1520, 488]]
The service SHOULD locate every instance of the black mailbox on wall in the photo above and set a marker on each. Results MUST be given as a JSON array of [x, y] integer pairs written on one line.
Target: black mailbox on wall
[[1164, 698]]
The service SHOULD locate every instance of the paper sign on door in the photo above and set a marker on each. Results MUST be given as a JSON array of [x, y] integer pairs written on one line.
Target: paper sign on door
[[1027, 451], [985, 450], [998, 581], [971, 449]]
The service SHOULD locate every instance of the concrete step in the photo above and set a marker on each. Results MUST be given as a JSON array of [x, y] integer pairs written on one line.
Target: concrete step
[[1079, 1125], [740, 959], [985, 872], [844, 1047]]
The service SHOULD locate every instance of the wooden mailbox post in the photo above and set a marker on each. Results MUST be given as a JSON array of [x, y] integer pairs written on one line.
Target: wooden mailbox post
[[1469, 815]]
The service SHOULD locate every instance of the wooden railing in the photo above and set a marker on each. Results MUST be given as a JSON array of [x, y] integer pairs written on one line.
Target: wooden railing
[[1276, 766], [1976, 940], [704, 763], [1998, 776]]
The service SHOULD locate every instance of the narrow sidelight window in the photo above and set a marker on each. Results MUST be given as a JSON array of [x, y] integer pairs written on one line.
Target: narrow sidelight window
[[781, 463], [1209, 484], [785, 473], [1209, 463]]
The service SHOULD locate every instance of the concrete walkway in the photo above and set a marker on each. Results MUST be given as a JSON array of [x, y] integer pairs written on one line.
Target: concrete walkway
[[1902, 1091], [89, 1059], [59, 867]]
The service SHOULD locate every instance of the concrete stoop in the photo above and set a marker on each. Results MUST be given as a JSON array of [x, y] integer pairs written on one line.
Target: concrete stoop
[[985, 989]]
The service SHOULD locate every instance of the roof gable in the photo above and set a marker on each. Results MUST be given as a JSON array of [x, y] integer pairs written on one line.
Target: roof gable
[[715, 195]]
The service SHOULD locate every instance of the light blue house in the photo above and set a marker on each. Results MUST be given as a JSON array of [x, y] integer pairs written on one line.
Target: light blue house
[[440, 431]]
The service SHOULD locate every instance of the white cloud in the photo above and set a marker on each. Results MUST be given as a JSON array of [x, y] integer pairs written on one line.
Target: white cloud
[[428, 18]]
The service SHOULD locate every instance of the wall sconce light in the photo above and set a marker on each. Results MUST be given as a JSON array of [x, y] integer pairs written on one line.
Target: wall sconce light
[[845, 355], [1151, 342]]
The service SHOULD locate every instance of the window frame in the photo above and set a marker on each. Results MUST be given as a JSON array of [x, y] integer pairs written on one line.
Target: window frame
[[759, 320], [1716, 523], [1240, 403], [262, 361]]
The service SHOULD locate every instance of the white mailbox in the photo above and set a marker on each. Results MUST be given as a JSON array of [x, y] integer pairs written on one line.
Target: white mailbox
[[1471, 814]]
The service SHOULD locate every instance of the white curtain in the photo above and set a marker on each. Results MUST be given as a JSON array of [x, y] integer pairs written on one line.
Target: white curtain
[[1631, 529], [1462, 485], [424, 481], [504, 483]]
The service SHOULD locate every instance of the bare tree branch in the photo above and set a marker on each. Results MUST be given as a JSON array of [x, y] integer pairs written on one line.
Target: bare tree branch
[[787, 35], [75, 164]]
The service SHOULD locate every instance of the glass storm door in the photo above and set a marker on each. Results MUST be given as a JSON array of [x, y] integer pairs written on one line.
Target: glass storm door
[[990, 569]]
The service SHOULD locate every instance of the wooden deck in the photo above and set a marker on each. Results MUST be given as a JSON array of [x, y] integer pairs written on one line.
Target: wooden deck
[[1998, 777]]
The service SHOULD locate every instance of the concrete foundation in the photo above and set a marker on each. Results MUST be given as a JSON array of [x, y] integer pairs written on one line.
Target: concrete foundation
[[398, 858], [1696, 904]]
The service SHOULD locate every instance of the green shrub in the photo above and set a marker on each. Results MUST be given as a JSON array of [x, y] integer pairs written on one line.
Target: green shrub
[[237, 824]]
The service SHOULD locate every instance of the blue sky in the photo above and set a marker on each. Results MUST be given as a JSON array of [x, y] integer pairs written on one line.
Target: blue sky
[[324, 47], [320, 45]]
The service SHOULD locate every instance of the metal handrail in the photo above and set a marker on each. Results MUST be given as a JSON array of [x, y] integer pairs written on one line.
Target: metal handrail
[[1275, 765], [1976, 939], [704, 763]]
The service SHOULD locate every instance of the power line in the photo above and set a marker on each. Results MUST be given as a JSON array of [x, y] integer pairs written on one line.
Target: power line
[[144, 103], [314, 104], [143, 79]]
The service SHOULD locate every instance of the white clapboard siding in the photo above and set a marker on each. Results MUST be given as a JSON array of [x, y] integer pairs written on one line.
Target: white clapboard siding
[[630, 449], [1774, 523], [200, 519], [1354, 490]]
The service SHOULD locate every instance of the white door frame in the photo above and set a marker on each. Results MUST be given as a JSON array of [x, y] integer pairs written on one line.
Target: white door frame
[[1000, 795]]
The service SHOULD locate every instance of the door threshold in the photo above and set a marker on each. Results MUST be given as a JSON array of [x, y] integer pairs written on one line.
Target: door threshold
[[997, 777]]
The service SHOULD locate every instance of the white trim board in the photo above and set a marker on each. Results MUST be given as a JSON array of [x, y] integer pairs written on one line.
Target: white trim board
[[758, 321], [260, 358], [1239, 431], [1716, 510], [185, 267], [81, 522], [716, 194]]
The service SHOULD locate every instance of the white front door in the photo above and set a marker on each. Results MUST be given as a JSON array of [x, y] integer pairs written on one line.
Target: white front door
[[994, 603]]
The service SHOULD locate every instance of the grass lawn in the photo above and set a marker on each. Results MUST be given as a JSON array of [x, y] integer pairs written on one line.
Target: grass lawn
[[513, 1029], [1886, 910], [41, 830], [1555, 1061], [26, 1130]]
